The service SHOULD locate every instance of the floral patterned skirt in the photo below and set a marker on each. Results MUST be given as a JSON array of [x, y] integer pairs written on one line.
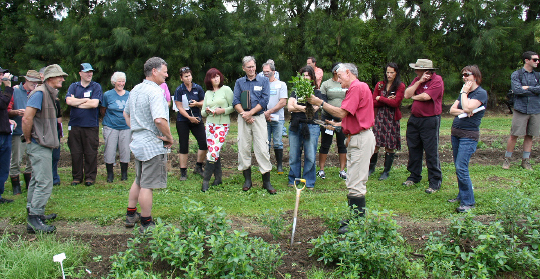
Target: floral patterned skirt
[[215, 138], [386, 129]]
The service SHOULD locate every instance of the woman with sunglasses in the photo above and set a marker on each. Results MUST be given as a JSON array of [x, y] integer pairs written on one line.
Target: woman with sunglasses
[[468, 110], [188, 99], [217, 107]]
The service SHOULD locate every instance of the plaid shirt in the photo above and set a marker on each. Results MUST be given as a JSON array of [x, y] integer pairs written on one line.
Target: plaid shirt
[[145, 104], [527, 101]]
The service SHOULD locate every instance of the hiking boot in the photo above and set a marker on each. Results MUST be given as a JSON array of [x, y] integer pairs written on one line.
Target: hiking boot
[[408, 183], [145, 227], [132, 220], [343, 175], [506, 163], [526, 164], [321, 174], [36, 225], [4, 200]]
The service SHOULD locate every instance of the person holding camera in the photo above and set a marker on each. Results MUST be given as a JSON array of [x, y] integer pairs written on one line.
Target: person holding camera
[[426, 91], [6, 129], [189, 98]]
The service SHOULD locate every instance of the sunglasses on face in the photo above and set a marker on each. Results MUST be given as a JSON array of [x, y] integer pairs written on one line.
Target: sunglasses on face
[[467, 74], [535, 59]]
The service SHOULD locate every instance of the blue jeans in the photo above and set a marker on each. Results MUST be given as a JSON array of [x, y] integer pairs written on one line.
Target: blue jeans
[[55, 159], [275, 130], [463, 149], [297, 143], [5, 156]]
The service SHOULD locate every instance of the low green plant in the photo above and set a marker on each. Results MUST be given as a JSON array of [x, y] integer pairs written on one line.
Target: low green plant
[[273, 221]]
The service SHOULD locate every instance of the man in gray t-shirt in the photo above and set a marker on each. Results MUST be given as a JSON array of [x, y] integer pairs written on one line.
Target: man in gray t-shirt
[[275, 115], [147, 114]]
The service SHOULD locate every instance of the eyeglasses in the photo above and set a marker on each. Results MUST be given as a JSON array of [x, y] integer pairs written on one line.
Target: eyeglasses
[[467, 74], [535, 59], [184, 69]]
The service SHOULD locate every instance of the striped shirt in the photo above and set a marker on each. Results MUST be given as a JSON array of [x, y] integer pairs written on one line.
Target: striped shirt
[[145, 104]]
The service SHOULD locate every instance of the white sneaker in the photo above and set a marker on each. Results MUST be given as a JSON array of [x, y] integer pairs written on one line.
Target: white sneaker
[[343, 174], [321, 174]]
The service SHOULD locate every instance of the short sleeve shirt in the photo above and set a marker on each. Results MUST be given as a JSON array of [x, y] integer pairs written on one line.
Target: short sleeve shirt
[[145, 104], [196, 94], [359, 103], [278, 90], [84, 117], [115, 104], [472, 123], [435, 89]]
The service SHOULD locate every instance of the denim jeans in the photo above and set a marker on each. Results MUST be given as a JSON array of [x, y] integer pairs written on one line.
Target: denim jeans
[[5, 155], [55, 159], [463, 149], [297, 143], [275, 130]]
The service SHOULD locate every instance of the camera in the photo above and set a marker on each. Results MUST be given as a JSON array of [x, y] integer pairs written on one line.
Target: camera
[[12, 78]]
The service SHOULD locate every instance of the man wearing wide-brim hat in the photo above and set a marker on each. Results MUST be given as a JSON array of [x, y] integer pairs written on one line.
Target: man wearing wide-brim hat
[[41, 135], [16, 111], [426, 91]]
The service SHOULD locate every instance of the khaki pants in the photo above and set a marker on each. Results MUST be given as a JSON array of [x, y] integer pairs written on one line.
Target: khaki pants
[[41, 184], [18, 150], [255, 134], [359, 151]]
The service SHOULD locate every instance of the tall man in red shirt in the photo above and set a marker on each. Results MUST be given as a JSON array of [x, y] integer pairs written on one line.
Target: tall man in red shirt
[[426, 91], [357, 116]]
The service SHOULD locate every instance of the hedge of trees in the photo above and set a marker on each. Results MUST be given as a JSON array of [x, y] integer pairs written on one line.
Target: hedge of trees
[[119, 35]]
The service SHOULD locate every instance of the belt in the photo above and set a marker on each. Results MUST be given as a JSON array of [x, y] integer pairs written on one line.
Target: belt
[[350, 135]]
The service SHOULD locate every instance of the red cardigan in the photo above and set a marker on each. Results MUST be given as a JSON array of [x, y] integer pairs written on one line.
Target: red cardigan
[[383, 101]]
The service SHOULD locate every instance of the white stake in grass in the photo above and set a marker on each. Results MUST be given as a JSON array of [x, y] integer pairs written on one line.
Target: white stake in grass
[[59, 258]]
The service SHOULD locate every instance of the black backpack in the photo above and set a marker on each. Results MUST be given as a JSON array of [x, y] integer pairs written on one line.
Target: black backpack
[[510, 96]]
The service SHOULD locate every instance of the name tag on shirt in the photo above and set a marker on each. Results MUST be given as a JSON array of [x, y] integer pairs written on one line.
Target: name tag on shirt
[[87, 94], [257, 88], [273, 92]]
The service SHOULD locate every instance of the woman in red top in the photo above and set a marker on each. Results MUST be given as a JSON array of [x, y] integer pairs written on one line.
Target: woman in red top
[[387, 98]]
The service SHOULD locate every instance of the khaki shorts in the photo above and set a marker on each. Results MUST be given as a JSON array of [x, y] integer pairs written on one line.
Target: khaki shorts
[[152, 174], [525, 124]]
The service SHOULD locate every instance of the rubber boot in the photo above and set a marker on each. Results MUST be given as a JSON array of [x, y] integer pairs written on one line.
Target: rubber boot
[[16, 183], [217, 173], [388, 161], [110, 173], [124, 169], [247, 178], [357, 204], [198, 170], [208, 171], [43, 217], [27, 178], [373, 163], [279, 160], [36, 225], [267, 185]]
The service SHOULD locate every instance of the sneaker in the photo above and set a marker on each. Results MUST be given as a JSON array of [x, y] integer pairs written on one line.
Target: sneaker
[[132, 220], [3, 200], [431, 190], [343, 174], [321, 174], [506, 163], [526, 164], [144, 228], [464, 208], [408, 183], [183, 177]]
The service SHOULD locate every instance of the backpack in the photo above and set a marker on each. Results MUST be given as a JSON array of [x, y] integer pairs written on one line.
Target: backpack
[[510, 96]]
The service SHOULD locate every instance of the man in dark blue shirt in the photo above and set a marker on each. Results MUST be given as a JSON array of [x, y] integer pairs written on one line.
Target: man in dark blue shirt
[[526, 117], [251, 95], [83, 141]]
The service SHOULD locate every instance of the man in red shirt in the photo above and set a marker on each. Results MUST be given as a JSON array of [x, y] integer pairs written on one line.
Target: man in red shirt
[[426, 91], [357, 116]]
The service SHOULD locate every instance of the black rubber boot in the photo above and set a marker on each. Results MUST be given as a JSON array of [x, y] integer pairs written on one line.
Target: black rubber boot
[[373, 163], [217, 173], [27, 178], [358, 204], [43, 217], [267, 185], [36, 225], [247, 177], [124, 169], [198, 170], [208, 171], [279, 160], [16, 183], [388, 161], [110, 173]]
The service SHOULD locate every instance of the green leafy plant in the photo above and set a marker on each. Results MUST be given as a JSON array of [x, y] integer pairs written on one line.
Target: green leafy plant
[[274, 222], [303, 89]]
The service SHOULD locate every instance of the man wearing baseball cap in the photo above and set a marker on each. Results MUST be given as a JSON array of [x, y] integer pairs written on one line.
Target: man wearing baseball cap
[[426, 91], [40, 133], [83, 141], [6, 127], [16, 110]]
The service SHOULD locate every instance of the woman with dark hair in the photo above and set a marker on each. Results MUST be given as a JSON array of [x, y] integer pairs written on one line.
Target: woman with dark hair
[[387, 98], [217, 107], [188, 98], [333, 94], [303, 135], [466, 132]]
